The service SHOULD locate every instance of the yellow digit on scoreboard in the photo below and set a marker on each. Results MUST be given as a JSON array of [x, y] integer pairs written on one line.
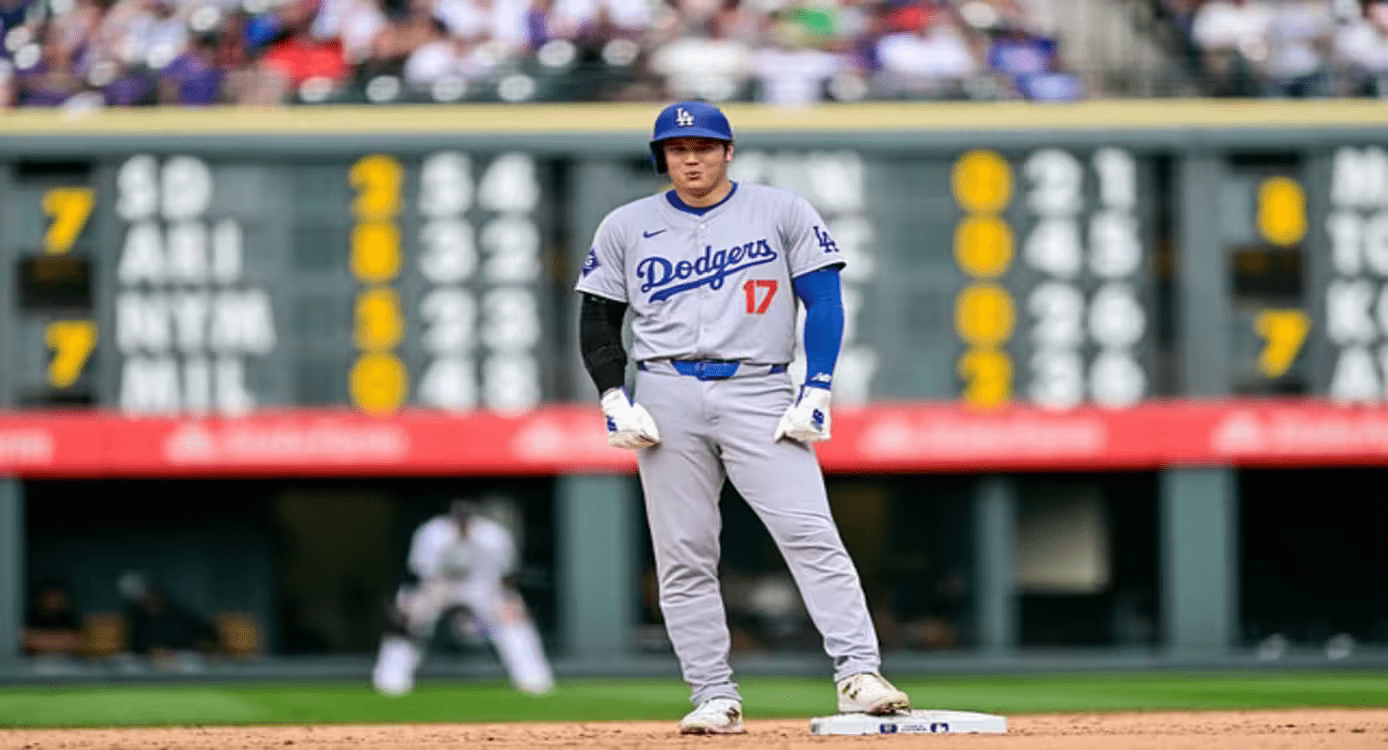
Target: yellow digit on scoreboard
[[67, 209], [982, 182], [375, 252], [72, 342], [1283, 331], [378, 383], [987, 375], [380, 323], [984, 312], [1281, 211], [983, 246], [984, 315], [377, 179]]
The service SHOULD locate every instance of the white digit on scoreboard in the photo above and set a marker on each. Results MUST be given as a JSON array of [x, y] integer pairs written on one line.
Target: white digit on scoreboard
[[1059, 312], [1063, 322], [512, 247], [450, 315], [509, 185], [448, 255], [505, 254], [445, 185], [1054, 247], [449, 382], [1056, 178], [511, 382]]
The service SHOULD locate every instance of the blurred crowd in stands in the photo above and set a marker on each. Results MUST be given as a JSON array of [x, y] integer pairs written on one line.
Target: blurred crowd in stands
[[92, 53], [1285, 48], [792, 52]]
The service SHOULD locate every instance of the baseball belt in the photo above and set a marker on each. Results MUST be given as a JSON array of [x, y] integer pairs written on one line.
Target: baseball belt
[[710, 369]]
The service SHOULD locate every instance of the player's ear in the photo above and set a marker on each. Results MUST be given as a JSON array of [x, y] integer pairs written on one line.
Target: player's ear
[[728, 151]]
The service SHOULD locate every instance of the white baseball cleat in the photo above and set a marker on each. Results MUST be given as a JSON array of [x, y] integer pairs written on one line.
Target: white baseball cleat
[[391, 684], [714, 716], [870, 693], [535, 685], [395, 666]]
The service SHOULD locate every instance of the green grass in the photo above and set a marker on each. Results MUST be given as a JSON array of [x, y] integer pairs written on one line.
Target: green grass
[[660, 699]]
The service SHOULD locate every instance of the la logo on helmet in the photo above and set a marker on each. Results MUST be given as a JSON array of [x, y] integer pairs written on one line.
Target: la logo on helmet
[[683, 118]]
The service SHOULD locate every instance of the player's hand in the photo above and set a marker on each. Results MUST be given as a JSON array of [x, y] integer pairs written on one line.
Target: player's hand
[[807, 420], [629, 425]]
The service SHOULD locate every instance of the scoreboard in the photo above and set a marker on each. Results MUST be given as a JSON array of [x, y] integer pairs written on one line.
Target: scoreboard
[[389, 264], [180, 283], [383, 281], [1071, 323]]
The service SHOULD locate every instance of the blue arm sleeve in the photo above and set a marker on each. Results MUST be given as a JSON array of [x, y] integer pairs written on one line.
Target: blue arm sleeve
[[821, 292]]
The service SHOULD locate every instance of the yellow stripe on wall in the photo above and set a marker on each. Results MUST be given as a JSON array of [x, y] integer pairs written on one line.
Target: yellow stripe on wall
[[1124, 114]]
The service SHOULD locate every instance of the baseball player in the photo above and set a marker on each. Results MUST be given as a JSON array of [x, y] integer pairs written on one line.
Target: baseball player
[[461, 559], [710, 272]]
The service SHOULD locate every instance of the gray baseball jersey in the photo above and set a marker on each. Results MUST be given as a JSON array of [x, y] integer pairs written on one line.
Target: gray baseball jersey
[[711, 286], [716, 285]]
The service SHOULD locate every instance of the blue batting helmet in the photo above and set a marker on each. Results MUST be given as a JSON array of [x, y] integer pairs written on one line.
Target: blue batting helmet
[[687, 120]]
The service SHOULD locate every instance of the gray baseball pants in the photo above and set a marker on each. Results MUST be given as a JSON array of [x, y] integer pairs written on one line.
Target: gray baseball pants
[[712, 430]]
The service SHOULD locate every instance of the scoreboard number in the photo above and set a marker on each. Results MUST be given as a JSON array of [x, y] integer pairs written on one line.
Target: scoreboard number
[[67, 209], [375, 252], [479, 310], [1283, 332], [1081, 259], [987, 374], [378, 382], [447, 254], [380, 324], [984, 311], [1112, 320], [983, 246], [377, 179], [982, 182], [984, 315], [1281, 211], [70, 341]]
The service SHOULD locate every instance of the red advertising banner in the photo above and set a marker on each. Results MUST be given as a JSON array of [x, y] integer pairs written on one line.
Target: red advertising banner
[[913, 437]]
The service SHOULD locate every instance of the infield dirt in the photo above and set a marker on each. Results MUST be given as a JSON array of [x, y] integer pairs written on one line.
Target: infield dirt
[[1328, 729]]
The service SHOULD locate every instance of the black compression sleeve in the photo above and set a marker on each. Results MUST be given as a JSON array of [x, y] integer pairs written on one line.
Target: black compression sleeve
[[600, 341]]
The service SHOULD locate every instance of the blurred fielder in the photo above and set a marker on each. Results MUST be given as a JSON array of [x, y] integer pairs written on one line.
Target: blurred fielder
[[711, 272], [461, 559]]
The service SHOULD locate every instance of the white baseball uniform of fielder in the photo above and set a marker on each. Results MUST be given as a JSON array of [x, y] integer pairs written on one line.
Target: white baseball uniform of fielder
[[463, 570], [714, 286]]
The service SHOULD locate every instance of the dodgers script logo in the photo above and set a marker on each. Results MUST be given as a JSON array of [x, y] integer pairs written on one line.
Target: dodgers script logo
[[669, 278]]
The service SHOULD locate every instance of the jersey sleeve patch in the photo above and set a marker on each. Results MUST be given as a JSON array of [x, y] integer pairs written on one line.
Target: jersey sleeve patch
[[591, 262], [825, 242]]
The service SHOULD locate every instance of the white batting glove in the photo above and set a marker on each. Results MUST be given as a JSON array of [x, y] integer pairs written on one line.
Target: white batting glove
[[629, 425], [807, 420]]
